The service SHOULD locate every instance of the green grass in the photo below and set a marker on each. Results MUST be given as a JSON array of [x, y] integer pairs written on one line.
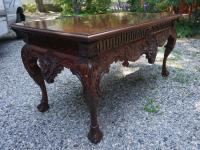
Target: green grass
[[187, 28], [151, 106]]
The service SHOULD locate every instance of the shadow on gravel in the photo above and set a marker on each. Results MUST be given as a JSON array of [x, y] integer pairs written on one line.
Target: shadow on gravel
[[118, 90], [122, 116]]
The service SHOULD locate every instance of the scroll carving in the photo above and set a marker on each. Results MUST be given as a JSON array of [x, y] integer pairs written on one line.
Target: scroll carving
[[89, 75], [50, 67], [133, 50], [151, 49], [127, 37]]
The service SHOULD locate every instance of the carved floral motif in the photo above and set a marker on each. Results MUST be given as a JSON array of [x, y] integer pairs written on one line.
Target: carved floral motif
[[127, 37], [50, 67]]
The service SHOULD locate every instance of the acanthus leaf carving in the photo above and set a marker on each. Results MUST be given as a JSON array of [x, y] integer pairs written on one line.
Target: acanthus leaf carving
[[151, 49], [50, 67]]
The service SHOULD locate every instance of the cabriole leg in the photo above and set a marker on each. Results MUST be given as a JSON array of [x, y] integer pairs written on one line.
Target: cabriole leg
[[168, 49], [30, 64], [90, 79], [92, 99]]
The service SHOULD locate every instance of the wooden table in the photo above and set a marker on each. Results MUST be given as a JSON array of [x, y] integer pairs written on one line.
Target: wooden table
[[88, 45]]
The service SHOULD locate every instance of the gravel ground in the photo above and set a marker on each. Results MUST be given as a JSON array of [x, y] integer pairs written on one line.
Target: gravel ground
[[125, 115]]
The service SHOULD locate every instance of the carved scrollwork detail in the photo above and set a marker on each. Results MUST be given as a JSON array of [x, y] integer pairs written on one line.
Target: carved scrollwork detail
[[89, 75], [151, 49], [131, 49], [112, 43], [50, 67]]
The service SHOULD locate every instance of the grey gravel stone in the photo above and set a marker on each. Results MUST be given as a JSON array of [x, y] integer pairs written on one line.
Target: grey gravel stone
[[122, 117]]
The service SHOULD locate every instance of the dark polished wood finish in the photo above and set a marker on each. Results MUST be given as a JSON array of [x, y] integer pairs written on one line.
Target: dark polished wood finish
[[88, 45]]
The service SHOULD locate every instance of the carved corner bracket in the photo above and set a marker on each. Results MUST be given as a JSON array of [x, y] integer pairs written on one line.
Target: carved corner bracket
[[50, 66], [90, 75], [152, 45]]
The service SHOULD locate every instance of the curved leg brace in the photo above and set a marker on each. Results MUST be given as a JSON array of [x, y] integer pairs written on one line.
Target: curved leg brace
[[30, 64]]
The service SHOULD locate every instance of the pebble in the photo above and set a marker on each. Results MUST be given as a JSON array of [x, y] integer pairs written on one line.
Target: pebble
[[123, 120]]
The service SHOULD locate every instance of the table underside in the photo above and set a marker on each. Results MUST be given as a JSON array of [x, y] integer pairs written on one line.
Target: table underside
[[89, 61]]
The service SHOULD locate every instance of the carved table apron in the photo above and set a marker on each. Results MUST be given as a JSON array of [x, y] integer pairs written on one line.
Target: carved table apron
[[88, 56]]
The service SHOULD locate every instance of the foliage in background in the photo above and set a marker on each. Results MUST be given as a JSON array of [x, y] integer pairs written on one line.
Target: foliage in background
[[83, 6], [157, 5], [66, 6], [151, 6], [102, 6], [40, 5], [187, 28], [151, 106], [31, 8], [135, 5], [175, 4], [98, 6], [52, 7]]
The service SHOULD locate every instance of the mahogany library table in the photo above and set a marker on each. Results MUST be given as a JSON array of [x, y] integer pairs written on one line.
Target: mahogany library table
[[88, 45]]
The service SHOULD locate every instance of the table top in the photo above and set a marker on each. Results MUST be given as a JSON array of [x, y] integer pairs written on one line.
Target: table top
[[92, 25]]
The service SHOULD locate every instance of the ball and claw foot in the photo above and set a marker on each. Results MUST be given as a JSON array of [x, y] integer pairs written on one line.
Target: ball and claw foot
[[42, 107], [165, 73], [95, 135]]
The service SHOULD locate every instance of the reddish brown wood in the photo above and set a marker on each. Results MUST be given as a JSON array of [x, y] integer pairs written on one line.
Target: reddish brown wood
[[30, 63], [168, 48], [89, 55]]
